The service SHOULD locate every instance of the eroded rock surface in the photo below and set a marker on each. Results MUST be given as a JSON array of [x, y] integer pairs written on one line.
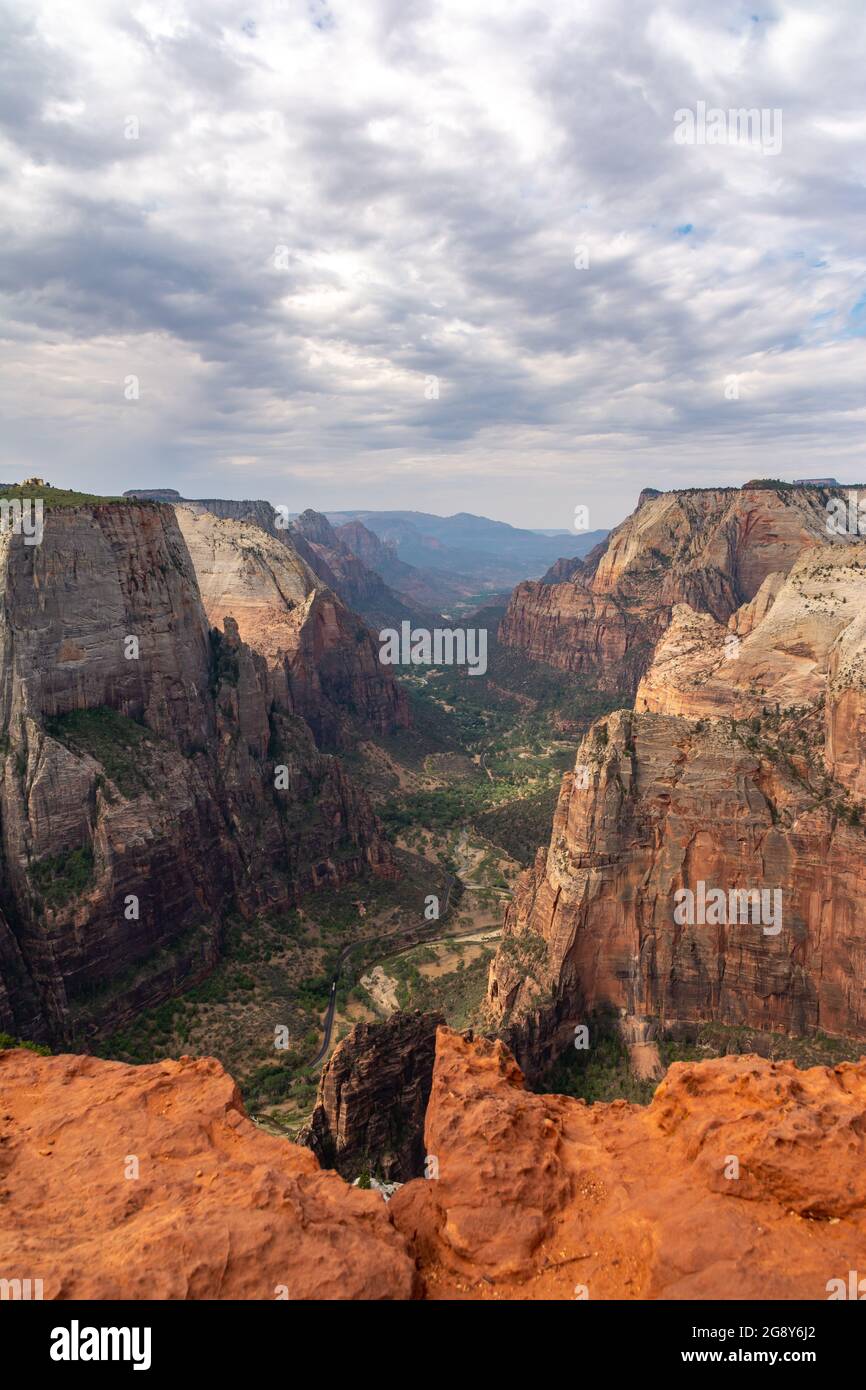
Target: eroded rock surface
[[542, 1196], [151, 1182], [139, 801], [662, 804], [744, 1179], [328, 658], [709, 548], [776, 650]]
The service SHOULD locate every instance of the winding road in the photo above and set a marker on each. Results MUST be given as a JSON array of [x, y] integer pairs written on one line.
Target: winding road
[[341, 960], [463, 866]]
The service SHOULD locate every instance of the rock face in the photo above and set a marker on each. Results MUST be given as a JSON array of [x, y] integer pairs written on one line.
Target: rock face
[[121, 1182], [310, 537], [845, 708], [140, 799], [659, 804], [373, 1093], [563, 570], [776, 650], [332, 555], [419, 591], [681, 794], [376, 554], [542, 1196], [151, 1183], [709, 548], [325, 656]]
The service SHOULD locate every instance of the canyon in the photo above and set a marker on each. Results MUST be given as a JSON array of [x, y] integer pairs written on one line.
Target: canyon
[[140, 804], [199, 735], [311, 539], [739, 767]]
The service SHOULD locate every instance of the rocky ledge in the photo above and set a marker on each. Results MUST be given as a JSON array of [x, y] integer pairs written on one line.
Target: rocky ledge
[[744, 1179], [152, 1182]]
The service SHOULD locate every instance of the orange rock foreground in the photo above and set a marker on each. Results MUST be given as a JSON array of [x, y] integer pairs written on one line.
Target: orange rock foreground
[[536, 1196]]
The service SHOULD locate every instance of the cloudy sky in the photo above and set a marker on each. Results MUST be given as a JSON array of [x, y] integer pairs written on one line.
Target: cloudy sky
[[416, 253]]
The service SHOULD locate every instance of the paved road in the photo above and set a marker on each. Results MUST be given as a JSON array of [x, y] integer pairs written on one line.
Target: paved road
[[329, 1016], [366, 941], [341, 960]]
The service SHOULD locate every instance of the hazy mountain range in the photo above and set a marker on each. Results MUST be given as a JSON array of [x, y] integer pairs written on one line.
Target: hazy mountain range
[[491, 553], [428, 562]]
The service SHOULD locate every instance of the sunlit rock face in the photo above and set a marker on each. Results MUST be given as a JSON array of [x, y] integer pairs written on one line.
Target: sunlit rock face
[[777, 650], [542, 1196], [658, 804], [150, 1182], [740, 769], [327, 657], [709, 548]]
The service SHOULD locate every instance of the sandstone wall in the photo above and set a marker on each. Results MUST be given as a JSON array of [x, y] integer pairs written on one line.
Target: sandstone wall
[[664, 803], [709, 548], [165, 795]]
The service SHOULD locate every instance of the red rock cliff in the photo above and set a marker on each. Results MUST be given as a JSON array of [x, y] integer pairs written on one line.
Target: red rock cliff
[[138, 796], [709, 548], [658, 804], [150, 1182]]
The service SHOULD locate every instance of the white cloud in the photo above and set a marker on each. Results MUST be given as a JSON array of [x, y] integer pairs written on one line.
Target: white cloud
[[430, 168]]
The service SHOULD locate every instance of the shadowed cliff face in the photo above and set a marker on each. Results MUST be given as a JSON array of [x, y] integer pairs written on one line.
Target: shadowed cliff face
[[139, 797], [150, 1182], [709, 549], [372, 1098]]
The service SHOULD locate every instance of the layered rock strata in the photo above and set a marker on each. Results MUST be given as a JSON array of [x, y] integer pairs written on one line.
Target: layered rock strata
[[373, 1092], [709, 548], [155, 775], [659, 804], [324, 655], [777, 650]]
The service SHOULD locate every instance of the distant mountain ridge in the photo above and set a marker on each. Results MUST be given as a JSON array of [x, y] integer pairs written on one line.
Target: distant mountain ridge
[[490, 554], [388, 566]]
